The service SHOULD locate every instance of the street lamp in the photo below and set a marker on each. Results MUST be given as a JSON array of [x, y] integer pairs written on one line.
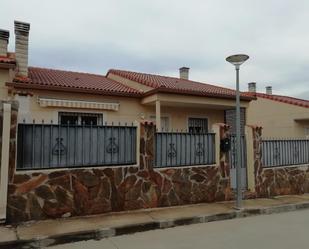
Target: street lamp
[[237, 60]]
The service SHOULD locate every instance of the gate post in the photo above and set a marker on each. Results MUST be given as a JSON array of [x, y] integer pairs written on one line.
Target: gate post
[[216, 129], [250, 158], [147, 146], [253, 136], [222, 158], [4, 173]]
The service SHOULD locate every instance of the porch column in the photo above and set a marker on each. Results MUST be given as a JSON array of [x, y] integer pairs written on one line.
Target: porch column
[[158, 115], [4, 173]]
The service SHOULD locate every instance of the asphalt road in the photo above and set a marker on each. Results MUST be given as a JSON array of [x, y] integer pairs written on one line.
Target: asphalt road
[[285, 230]]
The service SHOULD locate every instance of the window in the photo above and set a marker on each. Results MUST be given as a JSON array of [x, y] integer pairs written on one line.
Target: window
[[69, 119], [164, 122], [80, 118], [89, 120], [198, 125]]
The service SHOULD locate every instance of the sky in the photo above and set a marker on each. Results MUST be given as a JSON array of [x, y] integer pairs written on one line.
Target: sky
[[161, 36]]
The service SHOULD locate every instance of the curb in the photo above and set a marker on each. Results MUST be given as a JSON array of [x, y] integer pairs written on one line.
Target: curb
[[101, 233]]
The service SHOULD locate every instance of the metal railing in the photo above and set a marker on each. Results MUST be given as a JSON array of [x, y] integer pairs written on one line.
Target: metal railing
[[283, 152], [174, 149], [57, 146]]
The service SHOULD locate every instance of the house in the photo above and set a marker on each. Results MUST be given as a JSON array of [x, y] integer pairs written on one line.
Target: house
[[63, 97], [280, 116], [59, 158]]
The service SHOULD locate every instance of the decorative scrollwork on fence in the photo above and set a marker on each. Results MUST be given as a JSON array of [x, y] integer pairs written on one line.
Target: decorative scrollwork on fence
[[59, 148], [284, 152], [199, 150], [233, 155], [172, 152], [296, 152], [277, 154], [112, 147]]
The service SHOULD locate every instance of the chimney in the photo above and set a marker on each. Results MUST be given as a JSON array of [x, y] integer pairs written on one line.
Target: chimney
[[21, 47], [269, 90], [184, 73], [4, 40], [252, 87]]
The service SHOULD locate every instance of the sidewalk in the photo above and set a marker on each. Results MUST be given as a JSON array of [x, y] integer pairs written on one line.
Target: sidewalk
[[51, 232]]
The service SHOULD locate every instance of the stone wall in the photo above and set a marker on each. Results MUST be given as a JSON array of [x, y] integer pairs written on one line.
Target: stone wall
[[13, 139], [44, 194], [51, 194], [13, 134], [278, 180]]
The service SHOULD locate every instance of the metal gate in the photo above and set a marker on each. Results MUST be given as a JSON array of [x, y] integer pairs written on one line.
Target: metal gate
[[243, 161]]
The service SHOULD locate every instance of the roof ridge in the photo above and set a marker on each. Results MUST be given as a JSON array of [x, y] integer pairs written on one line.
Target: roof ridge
[[283, 99], [286, 96], [151, 74], [133, 89], [278, 95], [63, 79], [66, 71]]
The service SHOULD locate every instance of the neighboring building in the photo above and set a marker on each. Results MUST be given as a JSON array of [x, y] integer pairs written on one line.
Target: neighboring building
[[7, 64], [120, 96], [280, 116]]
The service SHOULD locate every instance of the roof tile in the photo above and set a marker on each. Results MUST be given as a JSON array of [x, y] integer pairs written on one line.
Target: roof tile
[[6, 59], [178, 85], [67, 79], [283, 99]]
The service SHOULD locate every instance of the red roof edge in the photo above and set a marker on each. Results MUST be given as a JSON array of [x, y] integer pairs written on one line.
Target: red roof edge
[[283, 99], [24, 85], [195, 93], [7, 61]]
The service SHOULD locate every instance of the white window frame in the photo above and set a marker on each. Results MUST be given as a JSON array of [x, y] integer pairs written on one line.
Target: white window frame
[[80, 114], [167, 116]]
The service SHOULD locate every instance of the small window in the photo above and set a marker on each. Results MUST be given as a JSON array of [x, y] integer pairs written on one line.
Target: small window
[[89, 120], [80, 118], [198, 125], [164, 122], [68, 119]]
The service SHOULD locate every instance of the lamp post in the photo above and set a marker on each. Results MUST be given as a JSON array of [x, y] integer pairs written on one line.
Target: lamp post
[[237, 60]]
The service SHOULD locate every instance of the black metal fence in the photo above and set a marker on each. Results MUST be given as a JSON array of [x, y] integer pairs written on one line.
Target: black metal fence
[[57, 146], [285, 152], [174, 149], [243, 161]]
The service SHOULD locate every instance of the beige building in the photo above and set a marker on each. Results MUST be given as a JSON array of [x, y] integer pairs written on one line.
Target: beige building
[[280, 116], [59, 96], [48, 95]]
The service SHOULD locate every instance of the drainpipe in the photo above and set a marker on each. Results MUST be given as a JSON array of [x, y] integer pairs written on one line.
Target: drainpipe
[[4, 178]]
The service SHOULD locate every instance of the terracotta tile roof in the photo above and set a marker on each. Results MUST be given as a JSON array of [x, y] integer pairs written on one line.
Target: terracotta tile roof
[[6, 59], [44, 78], [177, 85], [283, 99]]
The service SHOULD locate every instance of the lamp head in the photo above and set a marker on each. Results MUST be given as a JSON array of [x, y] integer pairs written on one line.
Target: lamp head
[[237, 59]]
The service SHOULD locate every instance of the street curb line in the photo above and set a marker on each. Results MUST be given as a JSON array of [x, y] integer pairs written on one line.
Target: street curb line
[[101, 233]]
